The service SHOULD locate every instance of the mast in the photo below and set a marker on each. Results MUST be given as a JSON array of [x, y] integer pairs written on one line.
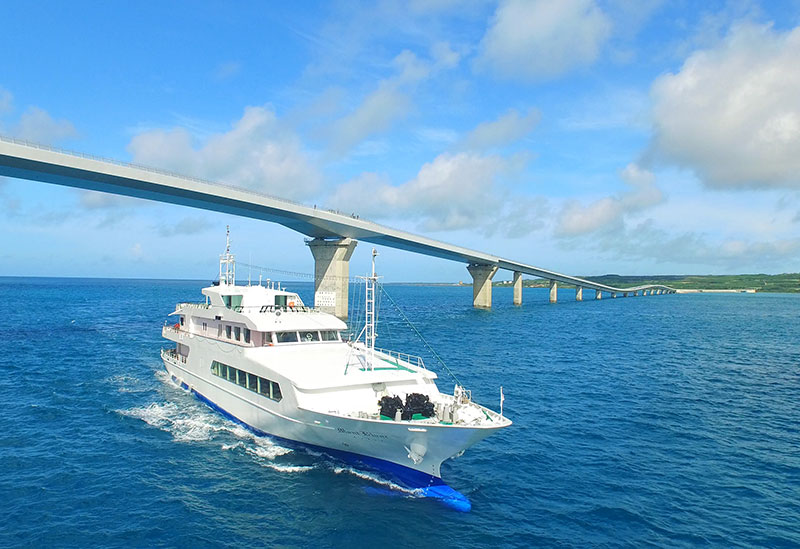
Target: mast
[[369, 309], [227, 265]]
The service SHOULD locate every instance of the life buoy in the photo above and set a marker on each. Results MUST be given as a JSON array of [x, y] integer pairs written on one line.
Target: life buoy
[[177, 326], [291, 304]]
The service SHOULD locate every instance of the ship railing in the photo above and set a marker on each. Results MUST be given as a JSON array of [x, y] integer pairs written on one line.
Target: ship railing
[[172, 354], [413, 360], [193, 305], [275, 308]]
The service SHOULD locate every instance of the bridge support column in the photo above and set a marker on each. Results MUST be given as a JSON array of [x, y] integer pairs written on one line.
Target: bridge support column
[[598, 294], [517, 288], [579, 293], [332, 273], [482, 284], [614, 295], [553, 291]]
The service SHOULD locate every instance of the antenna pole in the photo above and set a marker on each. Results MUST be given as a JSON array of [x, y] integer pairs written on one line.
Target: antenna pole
[[369, 312]]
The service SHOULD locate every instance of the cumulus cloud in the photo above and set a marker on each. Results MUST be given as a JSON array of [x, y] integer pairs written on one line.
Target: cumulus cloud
[[645, 240], [454, 191], [391, 100], [541, 39], [37, 125], [732, 113], [258, 153], [609, 213], [507, 128]]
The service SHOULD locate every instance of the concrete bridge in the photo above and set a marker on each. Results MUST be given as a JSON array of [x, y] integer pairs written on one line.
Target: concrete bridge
[[333, 235]]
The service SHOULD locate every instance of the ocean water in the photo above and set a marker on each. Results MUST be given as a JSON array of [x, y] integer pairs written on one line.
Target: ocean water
[[668, 421]]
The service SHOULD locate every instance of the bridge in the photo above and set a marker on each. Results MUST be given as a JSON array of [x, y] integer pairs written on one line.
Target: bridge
[[333, 235]]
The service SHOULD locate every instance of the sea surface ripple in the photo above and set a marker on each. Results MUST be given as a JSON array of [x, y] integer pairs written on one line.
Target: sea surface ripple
[[650, 421]]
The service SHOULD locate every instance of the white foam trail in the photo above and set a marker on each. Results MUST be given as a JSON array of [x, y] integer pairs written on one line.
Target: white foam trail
[[417, 492], [268, 452], [289, 468], [183, 424]]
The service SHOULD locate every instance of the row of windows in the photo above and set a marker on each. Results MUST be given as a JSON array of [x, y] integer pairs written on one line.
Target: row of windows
[[265, 387], [306, 336]]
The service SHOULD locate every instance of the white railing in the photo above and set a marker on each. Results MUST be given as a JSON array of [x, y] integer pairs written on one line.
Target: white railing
[[192, 305], [172, 354], [413, 360]]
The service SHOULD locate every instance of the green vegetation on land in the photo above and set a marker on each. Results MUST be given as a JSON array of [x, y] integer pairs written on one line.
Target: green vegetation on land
[[781, 283]]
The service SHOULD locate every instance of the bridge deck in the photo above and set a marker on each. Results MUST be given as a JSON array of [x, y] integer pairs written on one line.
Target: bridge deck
[[24, 160]]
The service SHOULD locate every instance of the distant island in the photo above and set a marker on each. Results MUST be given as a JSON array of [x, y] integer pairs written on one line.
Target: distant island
[[780, 283]]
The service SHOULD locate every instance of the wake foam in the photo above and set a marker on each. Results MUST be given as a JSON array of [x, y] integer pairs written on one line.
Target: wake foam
[[415, 492]]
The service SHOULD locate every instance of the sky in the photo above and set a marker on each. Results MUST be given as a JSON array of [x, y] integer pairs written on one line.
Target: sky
[[586, 137]]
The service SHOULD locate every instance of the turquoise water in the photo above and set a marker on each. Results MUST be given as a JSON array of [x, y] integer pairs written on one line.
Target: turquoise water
[[663, 421]]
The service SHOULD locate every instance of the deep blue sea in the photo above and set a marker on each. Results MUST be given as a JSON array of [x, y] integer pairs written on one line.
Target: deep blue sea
[[666, 421]]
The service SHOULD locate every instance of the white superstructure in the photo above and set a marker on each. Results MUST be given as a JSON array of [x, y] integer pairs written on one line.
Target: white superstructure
[[259, 355]]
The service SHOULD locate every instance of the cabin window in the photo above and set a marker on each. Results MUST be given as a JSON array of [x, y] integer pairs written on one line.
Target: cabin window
[[237, 333], [226, 299], [309, 336], [275, 391], [330, 335], [182, 320], [252, 382], [286, 337], [247, 335], [267, 338], [205, 326], [228, 329], [280, 301], [236, 301], [219, 331]]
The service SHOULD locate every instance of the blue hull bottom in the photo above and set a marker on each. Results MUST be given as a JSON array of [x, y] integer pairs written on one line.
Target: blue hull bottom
[[422, 483]]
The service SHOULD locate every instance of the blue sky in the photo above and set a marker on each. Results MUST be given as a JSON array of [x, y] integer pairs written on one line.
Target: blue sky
[[588, 137]]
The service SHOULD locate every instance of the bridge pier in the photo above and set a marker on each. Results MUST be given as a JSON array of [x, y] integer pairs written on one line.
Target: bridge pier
[[517, 288], [332, 273], [598, 294], [579, 293], [482, 284], [614, 295], [553, 291]]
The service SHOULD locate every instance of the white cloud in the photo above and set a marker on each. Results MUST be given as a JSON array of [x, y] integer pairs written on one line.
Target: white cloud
[[454, 191], [376, 114], [6, 100], [726, 254], [732, 113], [37, 125], [541, 39], [391, 100], [507, 128], [609, 213], [258, 153]]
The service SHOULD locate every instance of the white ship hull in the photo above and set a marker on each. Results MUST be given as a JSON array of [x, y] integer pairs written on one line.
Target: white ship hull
[[387, 441]]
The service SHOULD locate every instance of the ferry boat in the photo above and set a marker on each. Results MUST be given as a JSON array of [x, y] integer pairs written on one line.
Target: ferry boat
[[260, 356]]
